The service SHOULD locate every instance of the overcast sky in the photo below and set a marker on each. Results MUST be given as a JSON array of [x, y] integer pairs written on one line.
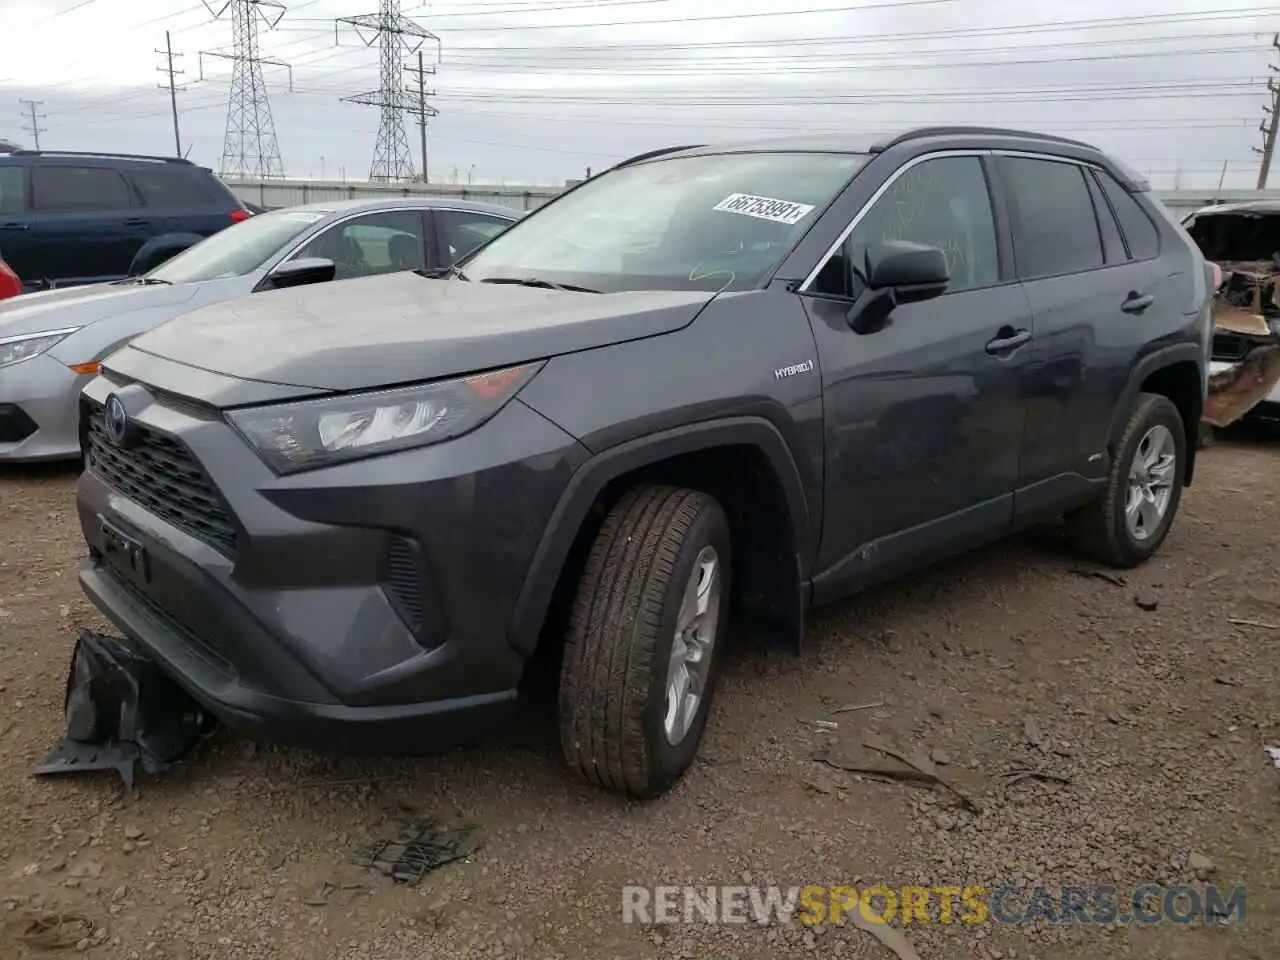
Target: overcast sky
[[536, 91]]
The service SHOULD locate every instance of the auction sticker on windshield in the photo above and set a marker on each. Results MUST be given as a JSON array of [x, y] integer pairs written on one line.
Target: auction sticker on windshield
[[764, 208]]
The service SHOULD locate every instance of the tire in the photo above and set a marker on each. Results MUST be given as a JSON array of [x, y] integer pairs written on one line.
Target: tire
[[622, 628], [1100, 530], [159, 249]]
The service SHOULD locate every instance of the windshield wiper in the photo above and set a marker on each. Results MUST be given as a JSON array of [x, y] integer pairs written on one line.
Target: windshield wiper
[[539, 282], [432, 273]]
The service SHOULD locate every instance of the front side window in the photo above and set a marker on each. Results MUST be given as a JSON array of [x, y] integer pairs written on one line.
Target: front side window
[[386, 242], [240, 249], [943, 203], [70, 189], [676, 223], [1056, 231]]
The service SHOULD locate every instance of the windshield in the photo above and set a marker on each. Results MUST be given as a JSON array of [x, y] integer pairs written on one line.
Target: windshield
[[237, 250], [687, 223]]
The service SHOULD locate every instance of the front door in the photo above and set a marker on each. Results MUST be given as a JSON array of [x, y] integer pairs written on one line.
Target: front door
[[924, 417], [17, 246]]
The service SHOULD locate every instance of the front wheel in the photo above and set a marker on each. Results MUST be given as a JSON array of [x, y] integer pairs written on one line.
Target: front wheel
[[1130, 521], [644, 641]]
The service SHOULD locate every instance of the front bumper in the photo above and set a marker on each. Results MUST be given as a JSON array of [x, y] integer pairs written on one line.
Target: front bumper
[[363, 607], [38, 413]]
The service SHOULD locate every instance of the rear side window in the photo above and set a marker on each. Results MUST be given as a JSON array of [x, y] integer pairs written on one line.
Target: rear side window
[[67, 189], [1112, 242], [1056, 231], [463, 232], [13, 190], [170, 188], [1144, 239]]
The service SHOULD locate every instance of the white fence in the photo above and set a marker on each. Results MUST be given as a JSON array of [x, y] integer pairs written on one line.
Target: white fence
[[288, 193]]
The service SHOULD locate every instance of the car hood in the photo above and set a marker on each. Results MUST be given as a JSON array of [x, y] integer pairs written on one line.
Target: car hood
[[78, 306], [401, 328]]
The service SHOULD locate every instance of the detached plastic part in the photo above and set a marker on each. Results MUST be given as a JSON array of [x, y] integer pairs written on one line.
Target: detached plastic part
[[123, 714]]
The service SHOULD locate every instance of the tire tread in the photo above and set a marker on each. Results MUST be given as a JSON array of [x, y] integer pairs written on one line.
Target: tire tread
[[614, 629]]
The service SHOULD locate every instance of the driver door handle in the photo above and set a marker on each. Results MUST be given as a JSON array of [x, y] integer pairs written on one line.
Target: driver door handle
[[1008, 340], [1136, 303]]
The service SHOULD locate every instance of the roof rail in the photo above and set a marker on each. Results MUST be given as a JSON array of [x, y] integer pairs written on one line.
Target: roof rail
[[921, 132], [658, 153], [104, 154]]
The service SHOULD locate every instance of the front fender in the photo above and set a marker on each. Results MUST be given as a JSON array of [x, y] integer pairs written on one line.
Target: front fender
[[590, 480]]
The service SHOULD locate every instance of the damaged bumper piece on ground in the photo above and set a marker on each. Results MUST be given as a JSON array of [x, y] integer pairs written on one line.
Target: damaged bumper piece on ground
[[123, 714]]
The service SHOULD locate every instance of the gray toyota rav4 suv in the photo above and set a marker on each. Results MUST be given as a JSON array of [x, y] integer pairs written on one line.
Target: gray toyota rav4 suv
[[713, 380]]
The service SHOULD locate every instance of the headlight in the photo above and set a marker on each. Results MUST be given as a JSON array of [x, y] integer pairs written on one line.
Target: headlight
[[314, 433], [16, 349]]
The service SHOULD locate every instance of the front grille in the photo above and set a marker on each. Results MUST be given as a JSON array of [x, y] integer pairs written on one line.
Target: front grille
[[159, 474]]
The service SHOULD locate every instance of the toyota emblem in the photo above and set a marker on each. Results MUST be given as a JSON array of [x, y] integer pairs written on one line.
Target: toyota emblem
[[116, 420]]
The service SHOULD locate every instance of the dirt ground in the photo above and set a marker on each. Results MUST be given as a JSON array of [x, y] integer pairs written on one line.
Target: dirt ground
[[1143, 695]]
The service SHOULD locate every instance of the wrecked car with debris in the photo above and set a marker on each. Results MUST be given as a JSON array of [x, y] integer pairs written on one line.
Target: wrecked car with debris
[[1243, 241]]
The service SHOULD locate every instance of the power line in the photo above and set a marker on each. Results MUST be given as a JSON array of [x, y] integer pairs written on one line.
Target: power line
[[172, 87], [1269, 125], [34, 129], [1084, 24], [395, 33], [249, 148], [420, 108]]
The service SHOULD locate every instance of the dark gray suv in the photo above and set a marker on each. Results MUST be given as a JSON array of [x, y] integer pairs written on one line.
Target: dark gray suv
[[714, 380]]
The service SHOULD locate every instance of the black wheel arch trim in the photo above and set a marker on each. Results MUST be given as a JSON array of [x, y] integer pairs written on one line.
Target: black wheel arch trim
[[600, 469], [1145, 367]]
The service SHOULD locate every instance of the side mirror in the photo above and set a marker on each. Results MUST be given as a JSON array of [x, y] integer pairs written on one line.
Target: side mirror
[[304, 270], [897, 272]]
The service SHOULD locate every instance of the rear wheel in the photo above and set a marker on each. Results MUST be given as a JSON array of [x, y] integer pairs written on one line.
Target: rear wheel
[[1130, 521], [642, 651]]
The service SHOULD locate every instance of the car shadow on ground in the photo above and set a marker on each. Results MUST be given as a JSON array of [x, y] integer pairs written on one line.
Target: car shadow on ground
[[41, 472]]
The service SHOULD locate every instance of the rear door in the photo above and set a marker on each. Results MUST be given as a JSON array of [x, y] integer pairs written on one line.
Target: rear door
[[17, 246], [87, 222], [1090, 304], [461, 231]]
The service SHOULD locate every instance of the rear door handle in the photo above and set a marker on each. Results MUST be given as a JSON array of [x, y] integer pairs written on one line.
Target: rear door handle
[[1008, 341], [1136, 303], [136, 222], [14, 226]]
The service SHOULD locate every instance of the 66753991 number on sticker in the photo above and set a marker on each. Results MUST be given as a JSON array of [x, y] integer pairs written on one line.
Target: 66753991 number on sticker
[[764, 208]]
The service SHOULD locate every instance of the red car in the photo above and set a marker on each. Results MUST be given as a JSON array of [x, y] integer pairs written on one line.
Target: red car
[[10, 282]]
